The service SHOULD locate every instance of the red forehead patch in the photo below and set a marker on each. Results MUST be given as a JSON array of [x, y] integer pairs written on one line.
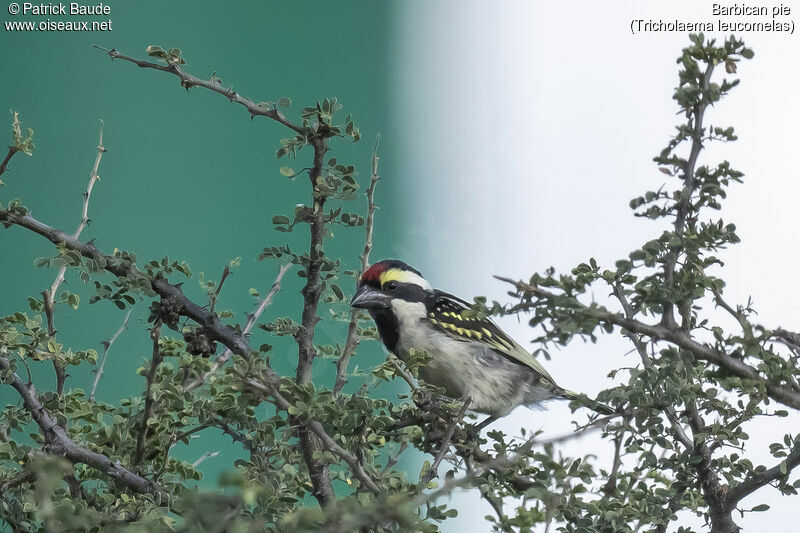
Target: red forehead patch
[[373, 273]]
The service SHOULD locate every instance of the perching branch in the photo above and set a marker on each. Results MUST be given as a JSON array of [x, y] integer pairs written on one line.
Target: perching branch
[[352, 341], [433, 471], [106, 348]]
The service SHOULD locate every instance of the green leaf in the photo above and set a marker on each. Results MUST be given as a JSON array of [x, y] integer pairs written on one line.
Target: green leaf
[[280, 219], [760, 508], [156, 51], [288, 172], [338, 292]]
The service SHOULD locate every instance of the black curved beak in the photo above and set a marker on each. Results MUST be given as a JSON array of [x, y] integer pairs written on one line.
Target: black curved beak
[[367, 297]]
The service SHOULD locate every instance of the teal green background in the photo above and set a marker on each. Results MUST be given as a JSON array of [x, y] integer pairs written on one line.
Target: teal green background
[[187, 175]]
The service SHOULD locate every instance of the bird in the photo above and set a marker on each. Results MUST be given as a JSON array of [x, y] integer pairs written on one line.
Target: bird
[[468, 356]]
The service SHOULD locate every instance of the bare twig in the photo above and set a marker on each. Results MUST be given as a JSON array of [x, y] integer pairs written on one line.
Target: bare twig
[[395, 458], [352, 341], [205, 457], [50, 295], [433, 471], [401, 371], [215, 295], [611, 484], [106, 348], [251, 320], [497, 505]]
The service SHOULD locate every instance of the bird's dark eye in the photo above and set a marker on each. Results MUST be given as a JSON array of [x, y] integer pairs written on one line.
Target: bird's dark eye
[[391, 286]]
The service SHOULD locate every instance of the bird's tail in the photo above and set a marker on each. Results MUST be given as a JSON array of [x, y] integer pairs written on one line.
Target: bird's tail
[[585, 401]]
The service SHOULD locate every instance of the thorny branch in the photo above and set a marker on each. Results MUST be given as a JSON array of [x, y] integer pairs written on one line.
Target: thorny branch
[[444, 446], [761, 478], [234, 341], [106, 348], [188, 81], [49, 296], [352, 341], [316, 137]]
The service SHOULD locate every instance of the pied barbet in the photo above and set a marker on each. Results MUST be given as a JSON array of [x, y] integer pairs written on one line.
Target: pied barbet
[[468, 356]]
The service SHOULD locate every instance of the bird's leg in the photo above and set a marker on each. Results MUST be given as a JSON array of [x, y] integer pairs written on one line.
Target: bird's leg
[[488, 420]]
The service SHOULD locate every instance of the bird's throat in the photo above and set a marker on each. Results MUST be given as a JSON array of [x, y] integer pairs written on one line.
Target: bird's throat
[[388, 327]]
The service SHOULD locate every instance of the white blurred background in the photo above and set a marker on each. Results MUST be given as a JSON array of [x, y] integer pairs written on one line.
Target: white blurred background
[[528, 128]]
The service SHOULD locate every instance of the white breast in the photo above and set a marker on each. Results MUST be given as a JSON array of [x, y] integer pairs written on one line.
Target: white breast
[[463, 368]]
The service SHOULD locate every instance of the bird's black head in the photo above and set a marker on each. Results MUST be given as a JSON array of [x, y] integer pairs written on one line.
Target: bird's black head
[[387, 280]]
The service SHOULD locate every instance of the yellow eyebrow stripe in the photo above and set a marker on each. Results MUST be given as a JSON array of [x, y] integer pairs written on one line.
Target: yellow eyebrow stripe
[[396, 274]]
